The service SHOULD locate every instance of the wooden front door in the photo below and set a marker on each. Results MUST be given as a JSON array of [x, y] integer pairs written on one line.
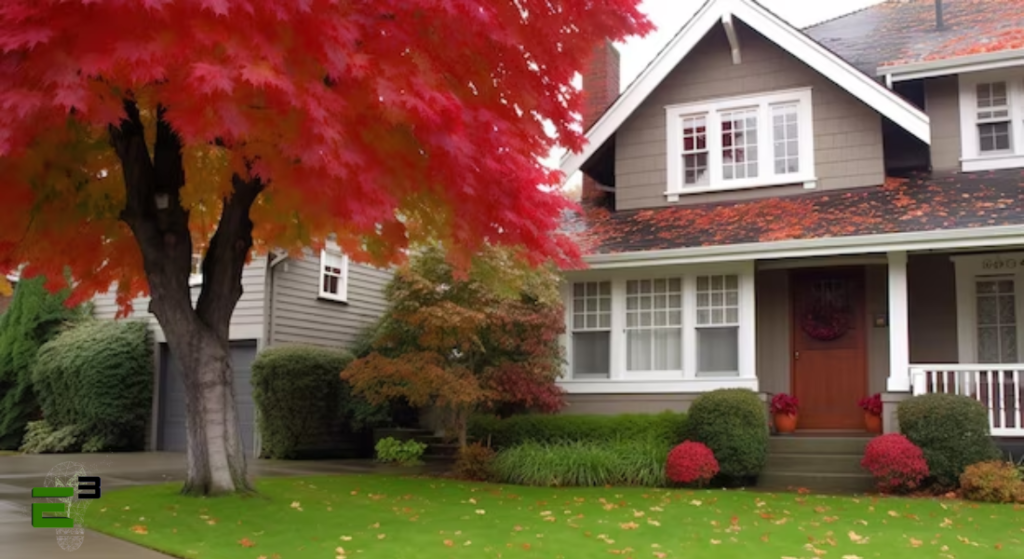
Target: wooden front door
[[829, 347]]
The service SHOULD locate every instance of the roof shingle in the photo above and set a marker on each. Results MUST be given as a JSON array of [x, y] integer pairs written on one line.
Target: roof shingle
[[922, 203]]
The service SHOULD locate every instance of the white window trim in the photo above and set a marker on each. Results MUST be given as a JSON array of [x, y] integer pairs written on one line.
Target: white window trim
[[332, 250], [971, 158], [766, 150], [968, 269], [686, 380], [196, 279]]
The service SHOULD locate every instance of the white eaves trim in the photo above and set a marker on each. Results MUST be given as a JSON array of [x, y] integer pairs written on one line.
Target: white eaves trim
[[952, 66], [712, 13], [1008, 235]]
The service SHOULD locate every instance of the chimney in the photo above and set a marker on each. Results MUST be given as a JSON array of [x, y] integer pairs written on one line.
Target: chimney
[[938, 14], [600, 90]]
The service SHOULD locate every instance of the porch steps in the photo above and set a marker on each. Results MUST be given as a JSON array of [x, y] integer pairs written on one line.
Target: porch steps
[[823, 464]]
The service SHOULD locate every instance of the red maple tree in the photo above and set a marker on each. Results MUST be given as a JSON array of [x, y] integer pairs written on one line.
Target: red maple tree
[[462, 344], [135, 131]]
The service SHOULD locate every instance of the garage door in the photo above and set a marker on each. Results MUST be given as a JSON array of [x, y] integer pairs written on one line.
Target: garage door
[[172, 432]]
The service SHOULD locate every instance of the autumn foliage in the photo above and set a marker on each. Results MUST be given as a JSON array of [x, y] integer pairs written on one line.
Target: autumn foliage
[[993, 481], [897, 464], [691, 463], [463, 344]]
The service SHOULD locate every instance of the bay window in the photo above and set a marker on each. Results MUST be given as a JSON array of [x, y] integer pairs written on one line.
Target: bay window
[[992, 120], [666, 328], [743, 142]]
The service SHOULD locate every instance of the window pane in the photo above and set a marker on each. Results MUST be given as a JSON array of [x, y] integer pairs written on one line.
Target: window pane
[[996, 313], [994, 136], [592, 305], [668, 349], [717, 350], [739, 144], [590, 354], [717, 300], [638, 350]]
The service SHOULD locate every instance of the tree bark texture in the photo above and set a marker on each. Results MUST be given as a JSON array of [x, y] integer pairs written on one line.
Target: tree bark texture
[[198, 337]]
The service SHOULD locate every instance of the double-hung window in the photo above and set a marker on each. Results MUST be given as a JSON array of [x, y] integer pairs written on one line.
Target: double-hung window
[[744, 142], [333, 274], [718, 322], [990, 298], [591, 329], [992, 120], [654, 325]]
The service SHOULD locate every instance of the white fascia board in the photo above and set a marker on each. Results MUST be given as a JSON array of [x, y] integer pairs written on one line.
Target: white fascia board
[[869, 91], [830, 246], [952, 66]]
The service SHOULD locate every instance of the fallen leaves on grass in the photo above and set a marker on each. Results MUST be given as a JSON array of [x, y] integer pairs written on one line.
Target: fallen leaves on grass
[[246, 542], [297, 506], [857, 538], [629, 525], [139, 529]]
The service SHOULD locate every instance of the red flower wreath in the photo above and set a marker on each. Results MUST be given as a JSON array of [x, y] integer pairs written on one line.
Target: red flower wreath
[[825, 324]]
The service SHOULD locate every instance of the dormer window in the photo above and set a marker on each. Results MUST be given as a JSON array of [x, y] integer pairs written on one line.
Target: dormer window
[[743, 142], [992, 120]]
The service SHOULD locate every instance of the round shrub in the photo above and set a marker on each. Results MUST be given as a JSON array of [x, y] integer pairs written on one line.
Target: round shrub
[[474, 462], [897, 464], [952, 431], [733, 424], [994, 481], [691, 464], [107, 366]]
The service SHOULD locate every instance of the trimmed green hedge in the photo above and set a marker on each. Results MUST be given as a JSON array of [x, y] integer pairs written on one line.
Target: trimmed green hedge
[[953, 431], [623, 462], [96, 380], [667, 428], [733, 423], [305, 409]]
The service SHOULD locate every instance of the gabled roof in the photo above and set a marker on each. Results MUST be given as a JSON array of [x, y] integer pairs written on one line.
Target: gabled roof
[[791, 39], [924, 203], [903, 37]]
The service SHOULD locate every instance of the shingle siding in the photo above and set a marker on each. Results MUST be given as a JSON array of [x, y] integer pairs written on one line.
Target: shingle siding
[[847, 133], [942, 103]]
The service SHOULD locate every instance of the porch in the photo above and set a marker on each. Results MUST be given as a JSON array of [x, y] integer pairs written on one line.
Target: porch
[[827, 329]]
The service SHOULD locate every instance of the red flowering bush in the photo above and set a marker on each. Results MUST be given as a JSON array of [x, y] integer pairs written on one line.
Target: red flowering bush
[[784, 404], [897, 464], [871, 404], [691, 463]]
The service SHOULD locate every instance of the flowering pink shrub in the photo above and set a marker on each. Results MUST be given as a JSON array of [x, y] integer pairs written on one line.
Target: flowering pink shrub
[[691, 463], [897, 464]]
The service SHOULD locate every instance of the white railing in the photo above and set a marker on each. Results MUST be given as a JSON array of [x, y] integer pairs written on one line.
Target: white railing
[[999, 387]]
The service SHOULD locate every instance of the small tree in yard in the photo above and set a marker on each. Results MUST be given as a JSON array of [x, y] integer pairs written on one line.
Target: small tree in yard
[[466, 343], [137, 134]]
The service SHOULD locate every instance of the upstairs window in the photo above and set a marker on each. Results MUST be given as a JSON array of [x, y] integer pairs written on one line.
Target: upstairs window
[[992, 120], [746, 142], [333, 274]]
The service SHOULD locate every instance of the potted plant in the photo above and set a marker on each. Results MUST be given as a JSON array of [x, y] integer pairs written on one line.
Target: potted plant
[[872, 406], [784, 410]]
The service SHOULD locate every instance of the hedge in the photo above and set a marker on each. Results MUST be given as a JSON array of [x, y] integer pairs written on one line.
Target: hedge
[[733, 423], [667, 428], [305, 409], [96, 380], [33, 318], [953, 431]]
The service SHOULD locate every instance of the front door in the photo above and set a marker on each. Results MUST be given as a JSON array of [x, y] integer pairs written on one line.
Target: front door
[[829, 349]]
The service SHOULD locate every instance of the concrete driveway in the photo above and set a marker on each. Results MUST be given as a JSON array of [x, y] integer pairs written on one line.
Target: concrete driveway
[[19, 474]]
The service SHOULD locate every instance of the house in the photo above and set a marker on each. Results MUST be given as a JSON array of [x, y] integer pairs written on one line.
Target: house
[[320, 300], [830, 212]]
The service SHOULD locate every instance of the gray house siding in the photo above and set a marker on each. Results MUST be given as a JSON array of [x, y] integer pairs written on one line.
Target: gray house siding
[[246, 322], [297, 315], [942, 103], [847, 133]]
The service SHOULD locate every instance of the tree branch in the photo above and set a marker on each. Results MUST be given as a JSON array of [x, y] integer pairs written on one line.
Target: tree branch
[[225, 258]]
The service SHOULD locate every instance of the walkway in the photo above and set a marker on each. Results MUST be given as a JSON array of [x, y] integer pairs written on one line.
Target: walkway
[[19, 474]]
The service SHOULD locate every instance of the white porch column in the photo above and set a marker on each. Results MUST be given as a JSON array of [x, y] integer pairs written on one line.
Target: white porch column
[[899, 324]]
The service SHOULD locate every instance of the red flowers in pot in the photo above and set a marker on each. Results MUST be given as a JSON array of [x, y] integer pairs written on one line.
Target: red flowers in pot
[[785, 409], [872, 406]]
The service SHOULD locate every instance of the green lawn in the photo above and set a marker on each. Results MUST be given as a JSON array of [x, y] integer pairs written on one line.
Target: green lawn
[[374, 516]]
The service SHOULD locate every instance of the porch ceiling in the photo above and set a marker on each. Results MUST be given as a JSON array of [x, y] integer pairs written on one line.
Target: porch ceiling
[[921, 203]]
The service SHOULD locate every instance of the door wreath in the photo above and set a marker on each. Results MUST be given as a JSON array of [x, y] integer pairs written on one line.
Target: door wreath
[[825, 323]]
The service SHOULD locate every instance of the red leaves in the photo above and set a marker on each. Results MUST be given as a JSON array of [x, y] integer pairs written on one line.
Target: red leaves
[[395, 120], [897, 464], [692, 462]]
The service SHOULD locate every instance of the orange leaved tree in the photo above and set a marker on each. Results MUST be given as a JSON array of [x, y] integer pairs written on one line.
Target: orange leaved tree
[[134, 132]]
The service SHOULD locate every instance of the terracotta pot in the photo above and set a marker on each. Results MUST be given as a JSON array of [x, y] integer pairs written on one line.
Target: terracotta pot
[[872, 422], [785, 423]]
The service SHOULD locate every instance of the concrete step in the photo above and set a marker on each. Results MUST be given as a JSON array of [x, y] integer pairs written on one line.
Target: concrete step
[[818, 483], [817, 445], [814, 463]]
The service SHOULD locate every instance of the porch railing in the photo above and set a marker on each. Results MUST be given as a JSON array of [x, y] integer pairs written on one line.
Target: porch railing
[[999, 387]]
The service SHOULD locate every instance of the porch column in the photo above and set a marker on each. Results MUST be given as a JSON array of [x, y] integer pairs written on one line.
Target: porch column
[[899, 324]]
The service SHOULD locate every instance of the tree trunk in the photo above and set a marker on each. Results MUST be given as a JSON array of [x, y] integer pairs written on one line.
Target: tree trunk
[[198, 337]]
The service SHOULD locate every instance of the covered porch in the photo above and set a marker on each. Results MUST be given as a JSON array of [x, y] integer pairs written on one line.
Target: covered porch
[[829, 329]]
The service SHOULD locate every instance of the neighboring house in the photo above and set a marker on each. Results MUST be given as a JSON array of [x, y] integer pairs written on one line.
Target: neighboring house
[[320, 300], [829, 212]]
